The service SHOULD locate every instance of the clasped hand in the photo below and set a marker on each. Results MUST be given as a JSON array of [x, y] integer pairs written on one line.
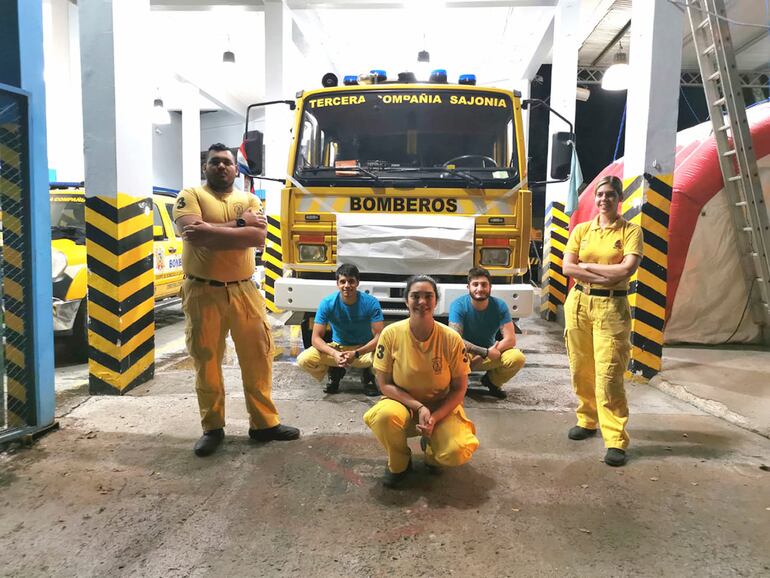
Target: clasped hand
[[344, 358], [425, 422]]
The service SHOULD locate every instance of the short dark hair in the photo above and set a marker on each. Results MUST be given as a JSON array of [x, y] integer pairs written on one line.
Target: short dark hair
[[218, 147], [420, 279], [347, 270], [479, 272], [614, 182]]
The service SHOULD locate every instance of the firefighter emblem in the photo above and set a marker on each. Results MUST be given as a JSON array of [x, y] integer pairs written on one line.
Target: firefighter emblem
[[618, 245], [238, 208], [436, 365]]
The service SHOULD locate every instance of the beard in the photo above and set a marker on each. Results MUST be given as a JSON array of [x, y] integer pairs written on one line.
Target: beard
[[484, 298]]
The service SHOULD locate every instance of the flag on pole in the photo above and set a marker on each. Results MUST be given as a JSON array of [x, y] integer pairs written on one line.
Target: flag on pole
[[575, 180]]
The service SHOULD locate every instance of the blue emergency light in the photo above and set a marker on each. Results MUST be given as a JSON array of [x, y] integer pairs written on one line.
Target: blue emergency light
[[438, 76], [468, 79], [380, 75], [350, 80]]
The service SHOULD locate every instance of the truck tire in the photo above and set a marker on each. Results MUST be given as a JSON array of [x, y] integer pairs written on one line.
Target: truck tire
[[78, 345]]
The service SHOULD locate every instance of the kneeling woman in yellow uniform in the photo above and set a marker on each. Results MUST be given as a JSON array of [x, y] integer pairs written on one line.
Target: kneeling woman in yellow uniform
[[601, 255], [422, 370]]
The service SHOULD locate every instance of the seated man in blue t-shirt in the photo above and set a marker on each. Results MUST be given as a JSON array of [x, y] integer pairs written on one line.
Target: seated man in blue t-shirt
[[356, 320], [478, 317]]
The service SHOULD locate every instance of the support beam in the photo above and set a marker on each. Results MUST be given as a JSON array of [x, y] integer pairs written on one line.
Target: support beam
[[117, 109], [531, 61], [191, 137], [656, 37]]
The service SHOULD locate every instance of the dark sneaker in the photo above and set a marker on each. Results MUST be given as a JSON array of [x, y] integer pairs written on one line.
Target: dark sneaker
[[494, 391], [335, 376], [279, 433], [369, 383], [615, 457], [580, 433], [209, 442], [392, 481], [435, 470]]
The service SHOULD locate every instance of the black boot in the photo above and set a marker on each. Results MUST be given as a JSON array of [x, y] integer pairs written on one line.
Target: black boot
[[580, 433], [369, 383], [493, 389], [209, 442], [278, 433], [335, 376], [615, 457], [392, 481]]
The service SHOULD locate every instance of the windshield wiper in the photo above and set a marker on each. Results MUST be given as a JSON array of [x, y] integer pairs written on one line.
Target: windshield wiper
[[360, 170], [68, 232]]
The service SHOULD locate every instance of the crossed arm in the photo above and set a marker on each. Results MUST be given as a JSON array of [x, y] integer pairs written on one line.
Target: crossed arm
[[479, 354], [198, 232], [596, 273], [344, 358], [427, 417]]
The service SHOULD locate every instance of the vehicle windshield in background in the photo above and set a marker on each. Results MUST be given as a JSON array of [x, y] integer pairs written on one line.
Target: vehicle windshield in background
[[68, 217], [441, 138]]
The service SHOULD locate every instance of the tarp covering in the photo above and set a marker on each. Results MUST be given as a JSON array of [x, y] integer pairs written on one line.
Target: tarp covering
[[707, 290], [406, 244]]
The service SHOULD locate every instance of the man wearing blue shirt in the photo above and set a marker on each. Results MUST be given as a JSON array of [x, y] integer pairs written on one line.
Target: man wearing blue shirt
[[356, 320], [478, 317]]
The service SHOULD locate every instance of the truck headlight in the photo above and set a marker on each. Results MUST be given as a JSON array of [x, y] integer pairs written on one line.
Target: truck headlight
[[312, 253], [58, 263], [495, 257]]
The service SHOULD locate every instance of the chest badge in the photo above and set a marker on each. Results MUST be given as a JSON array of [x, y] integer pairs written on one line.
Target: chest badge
[[238, 208], [436, 365], [618, 244]]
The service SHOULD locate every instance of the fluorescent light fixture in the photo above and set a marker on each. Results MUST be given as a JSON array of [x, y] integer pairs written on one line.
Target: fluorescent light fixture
[[159, 113], [616, 76]]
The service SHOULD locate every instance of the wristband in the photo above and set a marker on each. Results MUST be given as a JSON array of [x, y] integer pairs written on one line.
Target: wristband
[[486, 353], [357, 354]]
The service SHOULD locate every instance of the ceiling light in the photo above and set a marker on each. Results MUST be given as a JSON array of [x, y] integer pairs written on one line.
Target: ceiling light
[[423, 65], [616, 76], [228, 58], [159, 113]]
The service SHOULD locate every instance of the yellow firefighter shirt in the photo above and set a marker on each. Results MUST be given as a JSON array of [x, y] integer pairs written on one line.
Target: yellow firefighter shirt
[[607, 246], [422, 368], [216, 264]]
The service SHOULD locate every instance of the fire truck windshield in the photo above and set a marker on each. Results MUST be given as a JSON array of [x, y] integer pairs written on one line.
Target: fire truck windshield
[[437, 138]]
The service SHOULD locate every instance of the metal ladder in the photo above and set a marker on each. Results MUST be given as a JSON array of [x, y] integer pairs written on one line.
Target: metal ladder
[[716, 59]]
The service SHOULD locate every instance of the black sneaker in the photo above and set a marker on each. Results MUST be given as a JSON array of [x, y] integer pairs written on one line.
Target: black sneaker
[[392, 481], [278, 433], [580, 433], [369, 383], [335, 376], [435, 470], [209, 442], [494, 391], [615, 457]]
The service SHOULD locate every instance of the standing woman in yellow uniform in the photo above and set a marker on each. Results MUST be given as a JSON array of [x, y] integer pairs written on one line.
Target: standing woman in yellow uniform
[[422, 371], [601, 255]]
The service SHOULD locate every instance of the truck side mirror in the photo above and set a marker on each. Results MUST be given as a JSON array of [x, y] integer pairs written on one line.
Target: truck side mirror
[[561, 155], [252, 148]]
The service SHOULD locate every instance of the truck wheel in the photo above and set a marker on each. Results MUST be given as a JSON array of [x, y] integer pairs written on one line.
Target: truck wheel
[[78, 346]]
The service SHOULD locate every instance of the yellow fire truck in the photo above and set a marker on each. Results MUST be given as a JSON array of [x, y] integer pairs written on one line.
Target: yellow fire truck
[[398, 178]]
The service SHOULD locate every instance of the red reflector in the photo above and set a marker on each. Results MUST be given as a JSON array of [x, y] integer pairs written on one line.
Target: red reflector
[[495, 242], [315, 239]]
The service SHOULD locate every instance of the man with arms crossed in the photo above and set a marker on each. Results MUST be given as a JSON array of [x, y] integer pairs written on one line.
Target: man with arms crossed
[[220, 227], [356, 320], [477, 317]]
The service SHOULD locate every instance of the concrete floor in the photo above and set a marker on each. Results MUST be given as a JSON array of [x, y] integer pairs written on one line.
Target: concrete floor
[[118, 491]]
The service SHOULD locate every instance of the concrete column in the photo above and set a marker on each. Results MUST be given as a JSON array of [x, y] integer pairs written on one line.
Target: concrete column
[[191, 137], [27, 349], [566, 42], [653, 93], [278, 118], [117, 106]]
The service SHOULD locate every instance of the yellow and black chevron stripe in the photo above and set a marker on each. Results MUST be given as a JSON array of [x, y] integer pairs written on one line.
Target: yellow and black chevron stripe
[[121, 315], [16, 280], [272, 259], [554, 283], [647, 202]]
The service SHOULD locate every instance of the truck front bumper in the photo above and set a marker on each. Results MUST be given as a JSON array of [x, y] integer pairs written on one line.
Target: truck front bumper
[[305, 295]]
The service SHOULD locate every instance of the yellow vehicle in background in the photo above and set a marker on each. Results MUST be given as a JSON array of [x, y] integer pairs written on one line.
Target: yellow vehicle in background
[[68, 251], [400, 178]]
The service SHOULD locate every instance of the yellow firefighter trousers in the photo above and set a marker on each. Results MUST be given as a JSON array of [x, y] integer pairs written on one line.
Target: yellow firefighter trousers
[[597, 331], [503, 370], [452, 443], [211, 312], [317, 363]]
